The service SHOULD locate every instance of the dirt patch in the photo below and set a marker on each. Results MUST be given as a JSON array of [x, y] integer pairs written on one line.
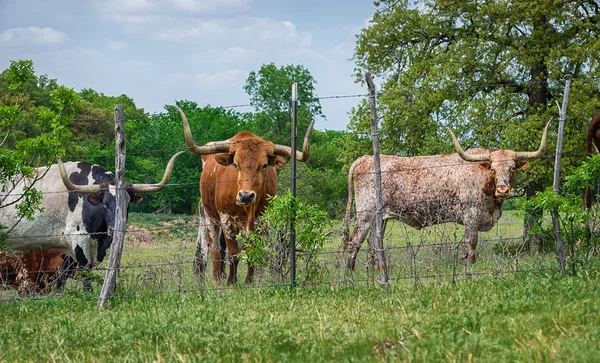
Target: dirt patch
[[139, 237]]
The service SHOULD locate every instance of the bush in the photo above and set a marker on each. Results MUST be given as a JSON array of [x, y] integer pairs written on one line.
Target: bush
[[268, 246]]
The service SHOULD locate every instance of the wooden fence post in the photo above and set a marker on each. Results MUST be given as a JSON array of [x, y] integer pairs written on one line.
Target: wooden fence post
[[122, 200], [383, 273], [560, 248]]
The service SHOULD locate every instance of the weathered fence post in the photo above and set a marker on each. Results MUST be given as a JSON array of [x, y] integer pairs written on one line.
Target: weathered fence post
[[122, 200], [560, 248], [383, 273], [293, 184]]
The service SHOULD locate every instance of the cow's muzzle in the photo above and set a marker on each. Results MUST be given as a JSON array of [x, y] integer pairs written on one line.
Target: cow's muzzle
[[109, 233], [245, 198], [502, 191]]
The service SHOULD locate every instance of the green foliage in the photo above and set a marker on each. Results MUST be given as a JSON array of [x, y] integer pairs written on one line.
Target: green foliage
[[33, 135], [269, 244], [152, 141], [270, 91], [567, 205], [491, 71]]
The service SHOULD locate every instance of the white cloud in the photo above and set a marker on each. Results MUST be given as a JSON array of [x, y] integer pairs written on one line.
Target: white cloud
[[32, 35], [116, 45], [220, 80], [271, 29], [134, 10], [344, 50], [199, 30]]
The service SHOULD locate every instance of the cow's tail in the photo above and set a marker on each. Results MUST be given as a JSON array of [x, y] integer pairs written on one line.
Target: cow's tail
[[346, 225]]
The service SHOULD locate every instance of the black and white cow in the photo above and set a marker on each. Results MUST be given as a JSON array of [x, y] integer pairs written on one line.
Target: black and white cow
[[79, 222]]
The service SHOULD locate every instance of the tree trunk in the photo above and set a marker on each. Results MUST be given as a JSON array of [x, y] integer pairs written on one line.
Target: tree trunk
[[538, 99]]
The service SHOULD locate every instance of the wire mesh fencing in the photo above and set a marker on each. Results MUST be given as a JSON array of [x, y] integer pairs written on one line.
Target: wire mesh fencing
[[160, 260]]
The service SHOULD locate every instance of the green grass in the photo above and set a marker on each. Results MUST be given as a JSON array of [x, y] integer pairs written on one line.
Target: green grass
[[521, 317]]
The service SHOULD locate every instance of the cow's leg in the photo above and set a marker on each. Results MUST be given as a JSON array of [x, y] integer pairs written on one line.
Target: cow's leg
[[374, 251], [470, 238], [82, 251], [66, 270], [356, 239], [216, 250], [250, 275], [201, 257], [233, 249]]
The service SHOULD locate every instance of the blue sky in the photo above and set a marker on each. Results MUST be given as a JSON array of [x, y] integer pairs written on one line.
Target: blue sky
[[159, 51]]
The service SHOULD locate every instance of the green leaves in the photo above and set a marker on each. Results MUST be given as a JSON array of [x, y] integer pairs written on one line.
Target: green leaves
[[270, 91], [32, 135], [268, 244]]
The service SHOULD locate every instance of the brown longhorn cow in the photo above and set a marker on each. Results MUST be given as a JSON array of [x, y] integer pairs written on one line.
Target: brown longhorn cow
[[467, 188], [36, 272], [591, 147], [237, 176]]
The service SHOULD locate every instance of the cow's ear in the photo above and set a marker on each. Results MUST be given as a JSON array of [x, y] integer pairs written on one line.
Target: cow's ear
[[277, 161], [224, 159], [138, 198], [95, 199], [485, 166], [522, 164]]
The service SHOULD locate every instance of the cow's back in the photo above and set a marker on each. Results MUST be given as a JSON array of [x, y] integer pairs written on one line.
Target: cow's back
[[60, 209], [422, 191]]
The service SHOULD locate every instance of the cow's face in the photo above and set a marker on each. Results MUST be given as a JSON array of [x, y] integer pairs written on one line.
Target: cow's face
[[104, 204], [251, 159], [502, 167]]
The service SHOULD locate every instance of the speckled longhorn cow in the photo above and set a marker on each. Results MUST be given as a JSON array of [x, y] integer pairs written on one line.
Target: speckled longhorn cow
[[79, 222], [467, 188], [237, 176]]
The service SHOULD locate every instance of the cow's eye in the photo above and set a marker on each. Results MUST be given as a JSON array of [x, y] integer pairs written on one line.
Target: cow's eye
[[265, 165]]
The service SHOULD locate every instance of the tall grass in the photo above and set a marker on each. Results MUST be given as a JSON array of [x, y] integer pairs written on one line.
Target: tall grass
[[520, 317]]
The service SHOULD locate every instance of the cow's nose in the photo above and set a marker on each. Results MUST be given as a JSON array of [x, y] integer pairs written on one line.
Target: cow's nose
[[502, 190], [246, 197]]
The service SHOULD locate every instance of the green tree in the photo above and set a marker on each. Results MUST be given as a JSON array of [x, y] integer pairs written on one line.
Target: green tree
[[490, 70], [152, 141], [32, 136], [270, 91]]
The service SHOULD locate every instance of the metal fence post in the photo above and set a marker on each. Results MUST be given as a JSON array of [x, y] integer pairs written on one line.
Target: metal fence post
[[293, 184]]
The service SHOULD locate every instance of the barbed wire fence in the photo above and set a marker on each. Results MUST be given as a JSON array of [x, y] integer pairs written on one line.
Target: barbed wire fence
[[429, 255]]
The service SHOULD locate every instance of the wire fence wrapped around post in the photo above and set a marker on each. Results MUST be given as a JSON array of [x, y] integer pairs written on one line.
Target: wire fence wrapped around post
[[122, 200], [383, 273], [560, 248]]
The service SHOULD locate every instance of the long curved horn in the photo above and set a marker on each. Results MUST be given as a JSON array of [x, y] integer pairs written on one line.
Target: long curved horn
[[540, 151], [151, 188], [303, 156], [212, 148], [463, 154], [83, 189]]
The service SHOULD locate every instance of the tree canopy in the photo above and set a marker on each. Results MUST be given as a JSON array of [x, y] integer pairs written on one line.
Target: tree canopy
[[491, 70]]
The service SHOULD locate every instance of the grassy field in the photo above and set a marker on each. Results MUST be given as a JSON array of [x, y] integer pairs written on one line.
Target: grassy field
[[520, 317], [510, 306]]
